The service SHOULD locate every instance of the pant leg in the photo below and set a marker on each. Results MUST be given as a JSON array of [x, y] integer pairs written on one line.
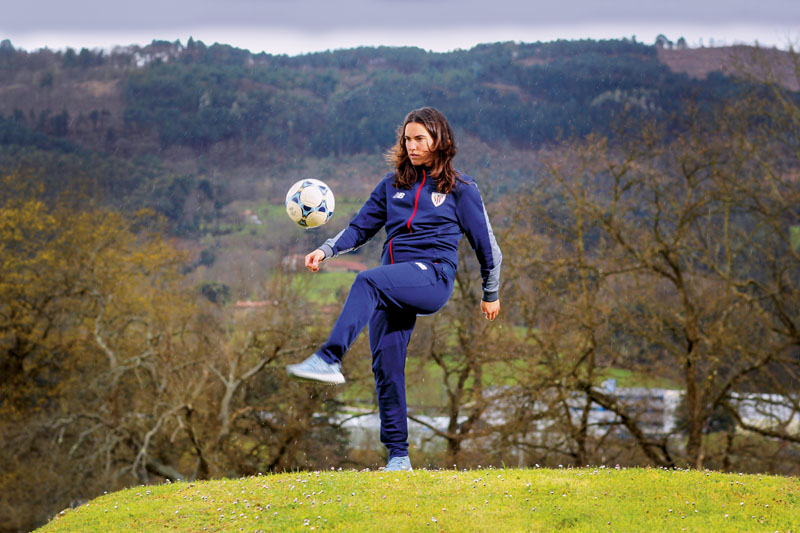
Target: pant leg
[[415, 287], [389, 335]]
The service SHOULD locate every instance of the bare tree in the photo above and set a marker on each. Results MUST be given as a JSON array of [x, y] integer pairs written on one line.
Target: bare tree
[[690, 249]]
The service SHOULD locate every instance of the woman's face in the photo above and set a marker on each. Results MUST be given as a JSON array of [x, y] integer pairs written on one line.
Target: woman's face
[[418, 143]]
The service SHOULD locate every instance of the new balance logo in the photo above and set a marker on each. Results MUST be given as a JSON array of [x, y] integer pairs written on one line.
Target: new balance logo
[[399, 194]]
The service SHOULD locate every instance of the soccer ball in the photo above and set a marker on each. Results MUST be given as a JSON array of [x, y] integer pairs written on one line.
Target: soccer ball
[[310, 203]]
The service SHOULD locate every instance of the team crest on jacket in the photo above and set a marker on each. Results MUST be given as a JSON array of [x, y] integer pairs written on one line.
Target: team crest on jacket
[[438, 198]]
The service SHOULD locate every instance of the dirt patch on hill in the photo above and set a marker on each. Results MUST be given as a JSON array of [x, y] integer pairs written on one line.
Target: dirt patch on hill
[[504, 88], [100, 89], [531, 61], [744, 61]]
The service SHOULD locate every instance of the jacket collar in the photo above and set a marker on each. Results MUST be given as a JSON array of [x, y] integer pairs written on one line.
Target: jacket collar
[[422, 168]]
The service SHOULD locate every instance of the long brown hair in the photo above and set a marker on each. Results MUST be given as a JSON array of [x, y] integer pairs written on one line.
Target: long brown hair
[[443, 151]]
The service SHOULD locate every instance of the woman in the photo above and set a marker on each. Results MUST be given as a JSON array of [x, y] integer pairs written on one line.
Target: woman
[[425, 206]]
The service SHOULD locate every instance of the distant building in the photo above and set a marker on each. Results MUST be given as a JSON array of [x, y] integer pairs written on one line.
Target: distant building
[[344, 265], [251, 218], [656, 410]]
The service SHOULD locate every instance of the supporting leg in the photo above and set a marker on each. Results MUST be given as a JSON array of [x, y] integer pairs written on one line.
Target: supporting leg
[[389, 334]]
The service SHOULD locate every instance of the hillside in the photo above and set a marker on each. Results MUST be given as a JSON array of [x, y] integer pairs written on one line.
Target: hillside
[[102, 92], [585, 499], [227, 105]]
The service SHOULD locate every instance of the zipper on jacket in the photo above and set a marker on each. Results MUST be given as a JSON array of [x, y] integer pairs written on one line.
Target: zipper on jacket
[[416, 203], [413, 214]]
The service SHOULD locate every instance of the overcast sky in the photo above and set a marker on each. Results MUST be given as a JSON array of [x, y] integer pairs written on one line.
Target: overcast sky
[[299, 26]]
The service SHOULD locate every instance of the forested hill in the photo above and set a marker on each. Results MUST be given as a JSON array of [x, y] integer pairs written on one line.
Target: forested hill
[[197, 96], [350, 101], [149, 114]]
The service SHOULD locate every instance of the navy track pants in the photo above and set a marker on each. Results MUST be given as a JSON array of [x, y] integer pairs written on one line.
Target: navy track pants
[[389, 298]]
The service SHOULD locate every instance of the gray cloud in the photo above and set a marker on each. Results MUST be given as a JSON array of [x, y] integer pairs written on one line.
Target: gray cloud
[[296, 26], [325, 15]]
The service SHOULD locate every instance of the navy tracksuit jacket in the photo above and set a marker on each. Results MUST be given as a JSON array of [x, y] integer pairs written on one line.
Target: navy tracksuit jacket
[[420, 256]]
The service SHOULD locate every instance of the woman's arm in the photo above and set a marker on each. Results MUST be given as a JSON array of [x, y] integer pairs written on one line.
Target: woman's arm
[[474, 222], [367, 222]]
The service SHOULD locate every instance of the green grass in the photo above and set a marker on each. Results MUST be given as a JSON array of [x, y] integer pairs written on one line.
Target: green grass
[[324, 288], [589, 499]]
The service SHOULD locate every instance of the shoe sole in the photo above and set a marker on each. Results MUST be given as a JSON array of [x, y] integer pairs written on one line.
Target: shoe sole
[[320, 378]]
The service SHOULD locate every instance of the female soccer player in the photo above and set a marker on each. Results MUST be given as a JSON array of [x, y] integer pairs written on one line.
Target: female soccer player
[[425, 206]]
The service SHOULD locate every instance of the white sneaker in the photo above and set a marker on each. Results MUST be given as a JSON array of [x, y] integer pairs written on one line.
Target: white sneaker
[[315, 369], [398, 464]]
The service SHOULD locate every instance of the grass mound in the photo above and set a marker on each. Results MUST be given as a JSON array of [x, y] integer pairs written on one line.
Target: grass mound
[[586, 499]]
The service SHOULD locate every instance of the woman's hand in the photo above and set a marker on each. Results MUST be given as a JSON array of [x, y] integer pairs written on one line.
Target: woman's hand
[[313, 260], [490, 309]]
